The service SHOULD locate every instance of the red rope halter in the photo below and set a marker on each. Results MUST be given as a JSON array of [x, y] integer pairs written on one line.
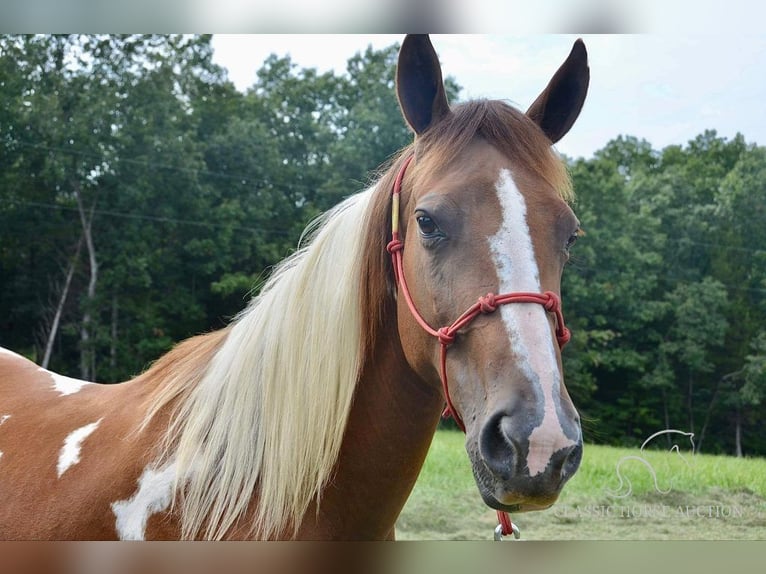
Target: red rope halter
[[484, 305]]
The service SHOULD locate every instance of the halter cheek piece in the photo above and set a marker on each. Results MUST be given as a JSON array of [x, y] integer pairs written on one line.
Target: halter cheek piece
[[446, 335]]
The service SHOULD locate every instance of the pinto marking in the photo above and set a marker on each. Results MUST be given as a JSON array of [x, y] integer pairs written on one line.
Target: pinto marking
[[2, 420], [527, 324], [154, 494], [65, 385], [70, 452]]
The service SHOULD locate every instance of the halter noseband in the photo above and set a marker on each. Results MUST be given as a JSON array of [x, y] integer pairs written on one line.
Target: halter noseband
[[484, 305]]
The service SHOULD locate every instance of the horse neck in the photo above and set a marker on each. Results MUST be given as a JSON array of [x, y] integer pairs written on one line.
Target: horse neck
[[390, 427], [394, 413]]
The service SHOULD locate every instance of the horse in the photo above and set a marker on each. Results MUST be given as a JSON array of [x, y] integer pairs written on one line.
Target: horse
[[310, 415]]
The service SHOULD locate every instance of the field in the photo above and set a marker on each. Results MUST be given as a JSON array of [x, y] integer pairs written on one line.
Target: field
[[688, 497]]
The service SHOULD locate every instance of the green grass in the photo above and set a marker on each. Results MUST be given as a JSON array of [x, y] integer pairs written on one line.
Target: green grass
[[695, 497]]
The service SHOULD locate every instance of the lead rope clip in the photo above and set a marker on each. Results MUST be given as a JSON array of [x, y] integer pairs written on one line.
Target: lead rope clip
[[499, 532]]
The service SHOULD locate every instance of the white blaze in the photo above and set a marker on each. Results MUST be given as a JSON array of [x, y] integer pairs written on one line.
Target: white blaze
[[527, 323], [70, 452], [154, 494]]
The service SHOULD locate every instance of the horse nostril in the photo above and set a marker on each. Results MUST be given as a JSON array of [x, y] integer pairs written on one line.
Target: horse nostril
[[498, 448], [571, 463], [563, 464]]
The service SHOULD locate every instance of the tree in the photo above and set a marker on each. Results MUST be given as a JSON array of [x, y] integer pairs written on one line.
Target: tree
[[58, 113], [610, 289], [739, 257], [697, 329], [662, 291], [71, 98]]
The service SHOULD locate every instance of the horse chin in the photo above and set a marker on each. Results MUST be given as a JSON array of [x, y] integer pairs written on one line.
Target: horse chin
[[498, 496], [515, 507]]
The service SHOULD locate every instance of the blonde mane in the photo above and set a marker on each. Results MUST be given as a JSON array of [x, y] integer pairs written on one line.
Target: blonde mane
[[268, 414]]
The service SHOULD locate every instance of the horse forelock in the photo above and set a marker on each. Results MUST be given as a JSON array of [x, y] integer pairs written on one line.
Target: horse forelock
[[501, 125]]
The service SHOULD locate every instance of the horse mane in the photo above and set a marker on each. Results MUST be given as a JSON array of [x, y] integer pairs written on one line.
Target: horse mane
[[268, 412], [261, 406]]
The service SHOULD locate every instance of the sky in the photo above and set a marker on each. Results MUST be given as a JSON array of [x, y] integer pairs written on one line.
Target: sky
[[665, 88]]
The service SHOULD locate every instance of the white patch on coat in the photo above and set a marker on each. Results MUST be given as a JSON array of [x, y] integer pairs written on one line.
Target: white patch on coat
[[527, 323], [2, 420], [70, 452], [154, 494], [66, 385]]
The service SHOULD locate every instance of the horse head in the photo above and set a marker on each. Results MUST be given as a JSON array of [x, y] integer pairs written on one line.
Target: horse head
[[483, 221]]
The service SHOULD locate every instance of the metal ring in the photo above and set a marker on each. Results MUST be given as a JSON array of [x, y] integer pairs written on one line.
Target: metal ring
[[499, 532]]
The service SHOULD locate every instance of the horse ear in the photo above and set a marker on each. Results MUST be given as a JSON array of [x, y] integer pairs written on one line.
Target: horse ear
[[419, 84], [557, 108]]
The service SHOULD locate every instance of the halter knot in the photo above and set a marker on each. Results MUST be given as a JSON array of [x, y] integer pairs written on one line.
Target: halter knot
[[487, 303], [552, 302], [394, 245], [446, 336]]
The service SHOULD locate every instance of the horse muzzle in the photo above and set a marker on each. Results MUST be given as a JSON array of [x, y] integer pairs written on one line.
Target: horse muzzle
[[518, 469]]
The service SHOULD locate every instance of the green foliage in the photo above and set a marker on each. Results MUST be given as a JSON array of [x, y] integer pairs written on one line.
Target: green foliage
[[754, 372], [196, 190], [667, 288]]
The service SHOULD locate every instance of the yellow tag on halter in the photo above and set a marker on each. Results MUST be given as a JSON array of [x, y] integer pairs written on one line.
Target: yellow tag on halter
[[395, 214]]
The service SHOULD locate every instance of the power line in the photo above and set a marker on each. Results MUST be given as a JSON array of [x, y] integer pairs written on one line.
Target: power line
[[282, 231], [243, 179], [155, 218]]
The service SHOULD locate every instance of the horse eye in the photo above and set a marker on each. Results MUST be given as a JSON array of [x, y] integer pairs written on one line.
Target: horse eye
[[428, 227], [573, 239]]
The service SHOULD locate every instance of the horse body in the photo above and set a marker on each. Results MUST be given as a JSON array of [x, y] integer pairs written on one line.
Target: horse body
[[310, 416], [57, 482]]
